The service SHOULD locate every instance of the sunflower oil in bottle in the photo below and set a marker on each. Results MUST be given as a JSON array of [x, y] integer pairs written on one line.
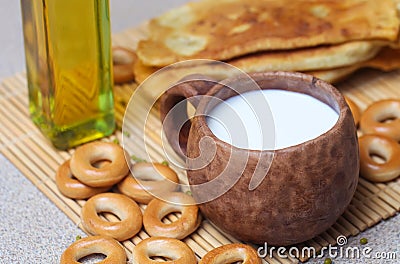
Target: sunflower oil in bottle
[[69, 69]]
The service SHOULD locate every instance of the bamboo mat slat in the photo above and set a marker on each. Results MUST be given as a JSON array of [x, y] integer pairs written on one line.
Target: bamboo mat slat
[[22, 143]]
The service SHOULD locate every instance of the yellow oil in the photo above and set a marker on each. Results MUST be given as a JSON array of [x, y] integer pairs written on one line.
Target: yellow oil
[[68, 59]]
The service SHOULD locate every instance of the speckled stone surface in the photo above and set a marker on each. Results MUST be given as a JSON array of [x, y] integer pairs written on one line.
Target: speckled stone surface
[[33, 229], [382, 238]]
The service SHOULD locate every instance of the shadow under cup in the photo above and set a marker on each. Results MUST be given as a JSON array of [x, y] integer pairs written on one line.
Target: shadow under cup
[[282, 197]]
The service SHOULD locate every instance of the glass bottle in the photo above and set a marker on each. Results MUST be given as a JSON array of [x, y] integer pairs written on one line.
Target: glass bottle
[[69, 69]]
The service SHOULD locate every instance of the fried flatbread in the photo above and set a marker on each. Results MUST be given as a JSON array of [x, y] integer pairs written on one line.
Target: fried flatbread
[[141, 71], [334, 75], [225, 29], [388, 59], [217, 69], [396, 44], [323, 57], [317, 58]]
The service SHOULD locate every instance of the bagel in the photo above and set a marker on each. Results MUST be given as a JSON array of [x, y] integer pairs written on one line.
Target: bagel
[[175, 202], [231, 253], [174, 250], [120, 205], [85, 156], [355, 110], [148, 180], [73, 188], [382, 118], [114, 252], [384, 147], [123, 61]]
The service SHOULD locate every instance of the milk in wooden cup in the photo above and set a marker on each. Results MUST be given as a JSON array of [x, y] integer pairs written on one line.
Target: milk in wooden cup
[[270, 119]]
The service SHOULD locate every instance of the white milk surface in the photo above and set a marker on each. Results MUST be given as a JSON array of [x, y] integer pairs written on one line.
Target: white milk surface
[[270, 119]]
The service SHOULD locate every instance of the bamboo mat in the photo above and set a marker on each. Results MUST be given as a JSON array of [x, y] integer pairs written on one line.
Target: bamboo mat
[[22, 143]]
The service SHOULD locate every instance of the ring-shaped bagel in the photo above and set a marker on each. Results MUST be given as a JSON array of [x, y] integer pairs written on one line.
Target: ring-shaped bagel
[[83, 247], [231, 253], [148, 180], [123, 61], [384, 147], [355, 110], [173, 249], [86, 155], [120, 205], [73, 188], [176, 202], [373, 120]]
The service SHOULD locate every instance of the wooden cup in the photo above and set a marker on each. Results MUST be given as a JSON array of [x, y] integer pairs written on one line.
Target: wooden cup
[[303, 189]]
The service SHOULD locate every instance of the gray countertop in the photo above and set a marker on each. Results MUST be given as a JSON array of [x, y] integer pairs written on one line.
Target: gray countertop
[[33, 229]]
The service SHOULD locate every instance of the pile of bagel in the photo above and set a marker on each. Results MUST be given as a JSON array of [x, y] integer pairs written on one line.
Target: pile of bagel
[[139, 197], [379, 127]]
